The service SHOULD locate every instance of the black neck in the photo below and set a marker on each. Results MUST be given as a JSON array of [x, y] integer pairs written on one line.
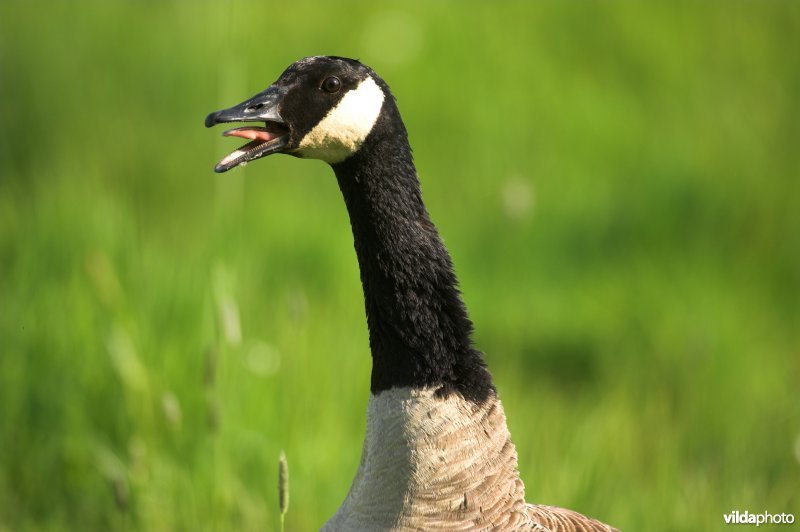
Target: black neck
[[418, 326]]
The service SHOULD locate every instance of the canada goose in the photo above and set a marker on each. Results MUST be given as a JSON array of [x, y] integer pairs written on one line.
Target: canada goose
[[437, 453]]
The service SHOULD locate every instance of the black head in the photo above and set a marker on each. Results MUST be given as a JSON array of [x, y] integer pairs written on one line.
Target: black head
[[319, 108]]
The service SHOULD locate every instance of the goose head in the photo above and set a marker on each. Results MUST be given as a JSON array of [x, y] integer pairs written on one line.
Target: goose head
[[319, 108]]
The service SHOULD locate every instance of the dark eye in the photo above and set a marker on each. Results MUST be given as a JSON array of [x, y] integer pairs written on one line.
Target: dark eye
[[331, 84]]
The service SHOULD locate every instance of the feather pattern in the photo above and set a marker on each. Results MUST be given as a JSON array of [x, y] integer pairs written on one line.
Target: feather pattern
[[431, 463]]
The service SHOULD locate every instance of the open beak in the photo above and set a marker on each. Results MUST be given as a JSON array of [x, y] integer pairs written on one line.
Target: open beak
[[271, 138]]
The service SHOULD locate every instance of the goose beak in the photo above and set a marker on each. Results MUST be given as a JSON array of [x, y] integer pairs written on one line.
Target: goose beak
[[271, 138]]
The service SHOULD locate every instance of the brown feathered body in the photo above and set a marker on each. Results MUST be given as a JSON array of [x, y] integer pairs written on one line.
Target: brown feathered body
[[431, 463]]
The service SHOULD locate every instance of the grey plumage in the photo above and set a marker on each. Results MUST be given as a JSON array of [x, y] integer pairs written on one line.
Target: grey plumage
[[430, 463]]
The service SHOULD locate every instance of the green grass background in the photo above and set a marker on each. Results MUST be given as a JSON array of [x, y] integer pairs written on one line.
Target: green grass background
[[617, 182]]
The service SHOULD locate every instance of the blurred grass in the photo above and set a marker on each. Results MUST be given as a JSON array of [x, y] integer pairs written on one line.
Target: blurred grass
[[617, 182]]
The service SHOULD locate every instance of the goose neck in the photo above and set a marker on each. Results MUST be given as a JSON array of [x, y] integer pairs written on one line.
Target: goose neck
[[418, 324]]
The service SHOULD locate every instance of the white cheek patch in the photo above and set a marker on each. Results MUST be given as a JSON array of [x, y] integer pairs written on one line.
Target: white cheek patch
[[341, 133]]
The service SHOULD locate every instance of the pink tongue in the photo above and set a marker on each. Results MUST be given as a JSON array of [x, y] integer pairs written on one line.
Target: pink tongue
[[252, 134]]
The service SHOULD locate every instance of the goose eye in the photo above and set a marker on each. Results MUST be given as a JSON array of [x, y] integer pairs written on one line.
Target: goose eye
[[331, 84]]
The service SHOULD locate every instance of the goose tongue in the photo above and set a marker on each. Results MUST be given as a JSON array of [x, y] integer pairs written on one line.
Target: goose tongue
[[252, 133], [263, 141]]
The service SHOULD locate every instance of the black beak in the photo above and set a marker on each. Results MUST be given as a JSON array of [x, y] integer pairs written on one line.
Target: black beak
[[263, 107], [272, 138]]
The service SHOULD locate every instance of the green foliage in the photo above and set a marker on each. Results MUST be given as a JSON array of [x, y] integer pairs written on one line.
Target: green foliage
[[283, 487], [618, 183]]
